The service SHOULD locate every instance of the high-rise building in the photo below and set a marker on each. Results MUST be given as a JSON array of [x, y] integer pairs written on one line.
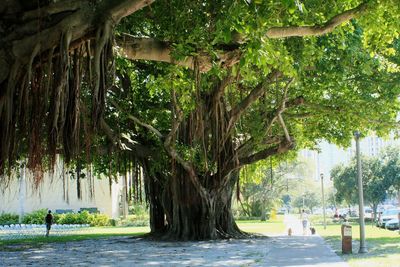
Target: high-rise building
[[330, 155]]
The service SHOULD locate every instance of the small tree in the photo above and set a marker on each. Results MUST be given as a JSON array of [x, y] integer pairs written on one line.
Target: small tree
[[263, 185], [344, 183], [374, 182], [310, 199], [391, 168]]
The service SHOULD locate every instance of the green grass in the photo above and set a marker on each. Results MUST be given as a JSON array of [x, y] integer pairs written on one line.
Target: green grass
[[272, 226], [383, 245], [90, 233]]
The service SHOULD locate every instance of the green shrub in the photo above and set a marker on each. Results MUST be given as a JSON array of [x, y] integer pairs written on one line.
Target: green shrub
[[133, 220], [84, 218], [8, 218], [100, 220], [139, 210], [36, 217], [67, 218]]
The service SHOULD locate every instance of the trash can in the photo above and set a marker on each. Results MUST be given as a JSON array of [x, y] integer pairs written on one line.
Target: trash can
[[346, 239]]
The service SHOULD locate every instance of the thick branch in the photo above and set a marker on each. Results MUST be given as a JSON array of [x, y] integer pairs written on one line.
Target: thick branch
[[329, 26], [142, 48], [283, 147], [52, 8], [255, 94], [127, 7], [81, 22], [158, 51], [246, 148]]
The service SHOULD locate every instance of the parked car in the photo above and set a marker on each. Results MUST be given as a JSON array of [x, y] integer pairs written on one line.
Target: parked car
[[282, 210], [393, 224], [368, 213], [387, 215]]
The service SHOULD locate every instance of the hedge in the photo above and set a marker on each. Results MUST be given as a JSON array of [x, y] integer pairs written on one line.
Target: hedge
[[37, 217]]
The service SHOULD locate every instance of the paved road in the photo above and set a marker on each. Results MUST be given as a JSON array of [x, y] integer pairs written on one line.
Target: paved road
[[279, 250]]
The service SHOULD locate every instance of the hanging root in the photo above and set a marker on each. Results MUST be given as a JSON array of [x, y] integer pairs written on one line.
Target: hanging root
[[60, 79], [7, 131], [100, 61]]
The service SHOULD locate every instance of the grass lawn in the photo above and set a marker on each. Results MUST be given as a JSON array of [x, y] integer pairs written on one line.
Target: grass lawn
[[383, 245], [268, 227], [89, 233], [272, 226]]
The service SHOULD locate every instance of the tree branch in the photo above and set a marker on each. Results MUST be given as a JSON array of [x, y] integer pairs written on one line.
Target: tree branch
[[255, 94], [329, 26], [52, 8], [285, 130], [81, 22], [169, 147], [143, 48], [219, 90], [248, 146], [136, 120], [140, 150], [283, 147], [127, 7], [150, 49], [273, 115]]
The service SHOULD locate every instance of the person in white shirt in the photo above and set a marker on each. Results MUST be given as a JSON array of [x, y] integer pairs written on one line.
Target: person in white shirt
[[304, 221]]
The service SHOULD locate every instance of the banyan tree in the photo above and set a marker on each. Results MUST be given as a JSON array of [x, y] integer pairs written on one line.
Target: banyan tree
[[191, 91]]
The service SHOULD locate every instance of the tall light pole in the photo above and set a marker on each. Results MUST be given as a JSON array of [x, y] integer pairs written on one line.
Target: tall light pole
[[323, 198], [363, 248]]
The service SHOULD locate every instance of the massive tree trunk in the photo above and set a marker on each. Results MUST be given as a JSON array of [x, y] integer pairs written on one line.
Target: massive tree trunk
[[192, 216], [206, 155]]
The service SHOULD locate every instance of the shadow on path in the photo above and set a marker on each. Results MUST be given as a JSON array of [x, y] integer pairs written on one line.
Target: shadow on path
[[125, 251]]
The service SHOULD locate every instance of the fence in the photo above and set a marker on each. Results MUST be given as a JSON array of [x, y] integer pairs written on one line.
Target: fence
[[18, 231]]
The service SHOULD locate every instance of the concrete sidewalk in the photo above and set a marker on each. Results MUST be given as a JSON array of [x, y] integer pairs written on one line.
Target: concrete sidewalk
[[301, 250]]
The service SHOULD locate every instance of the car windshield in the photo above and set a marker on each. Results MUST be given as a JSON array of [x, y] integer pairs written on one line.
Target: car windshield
[[391, 212]]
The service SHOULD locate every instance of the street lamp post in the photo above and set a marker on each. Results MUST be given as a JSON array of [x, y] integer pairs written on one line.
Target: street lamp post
[[323, 199], [363, 248]]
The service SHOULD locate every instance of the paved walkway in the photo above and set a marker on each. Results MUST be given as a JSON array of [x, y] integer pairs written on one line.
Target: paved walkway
[[280, 250], [300, 250]]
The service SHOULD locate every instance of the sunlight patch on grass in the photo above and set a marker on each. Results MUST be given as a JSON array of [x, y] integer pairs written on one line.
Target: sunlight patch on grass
[[275, 226]]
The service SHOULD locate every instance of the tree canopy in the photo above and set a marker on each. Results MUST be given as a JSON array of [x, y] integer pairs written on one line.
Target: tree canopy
[[191, 90]]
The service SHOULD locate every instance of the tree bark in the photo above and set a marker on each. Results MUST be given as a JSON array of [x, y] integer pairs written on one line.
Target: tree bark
[[154, 188]]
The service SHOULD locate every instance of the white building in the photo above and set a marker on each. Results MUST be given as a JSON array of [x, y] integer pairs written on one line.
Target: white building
[[60, 192]]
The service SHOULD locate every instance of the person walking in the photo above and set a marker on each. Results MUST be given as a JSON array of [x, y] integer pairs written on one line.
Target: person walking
[[304, 221], [49, 221]]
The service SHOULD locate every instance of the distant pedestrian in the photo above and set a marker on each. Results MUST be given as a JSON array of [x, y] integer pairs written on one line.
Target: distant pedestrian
[[304, 221], [49, 221]]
